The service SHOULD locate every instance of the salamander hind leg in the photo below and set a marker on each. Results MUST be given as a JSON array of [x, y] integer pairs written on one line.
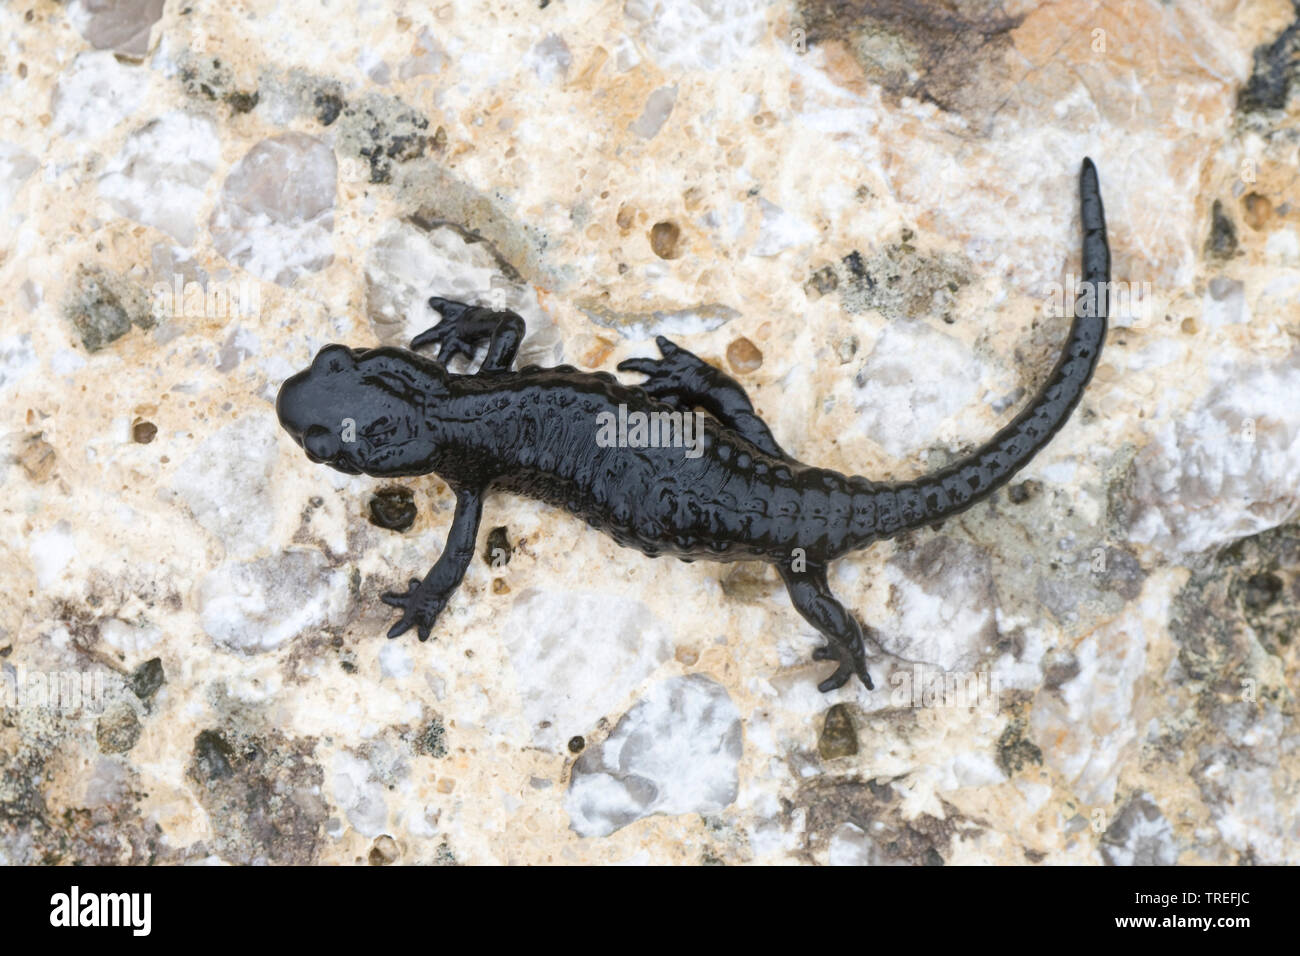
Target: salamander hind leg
[[463, 327], [684, 379], [812, 598]]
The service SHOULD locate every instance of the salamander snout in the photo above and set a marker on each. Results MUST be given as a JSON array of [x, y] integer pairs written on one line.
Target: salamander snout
[[305, 399], [358, 410], [317, 406]]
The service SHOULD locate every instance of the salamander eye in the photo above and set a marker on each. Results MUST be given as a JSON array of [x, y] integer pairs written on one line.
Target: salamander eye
[[333, 358], [320, 443]]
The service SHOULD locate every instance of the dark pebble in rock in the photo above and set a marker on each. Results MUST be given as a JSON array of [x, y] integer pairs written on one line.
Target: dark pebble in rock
[[498, 552], [212, 756], [118, 730], [393, 508], [1022, 492], [383, 851], [665, 240], [838, 738], [1261, 590], [147, 678]]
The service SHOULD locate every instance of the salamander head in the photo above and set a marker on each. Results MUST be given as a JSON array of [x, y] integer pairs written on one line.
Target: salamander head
[[363, 410]]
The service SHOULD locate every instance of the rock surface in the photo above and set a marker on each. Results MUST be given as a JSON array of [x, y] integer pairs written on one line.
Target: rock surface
[[870, 220], [675, 751], [275, 215]]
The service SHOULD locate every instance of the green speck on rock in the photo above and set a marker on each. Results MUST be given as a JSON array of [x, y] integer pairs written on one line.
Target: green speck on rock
[[838, 739], [444, 856], [103, 307], [1015, 749], [432, 741]]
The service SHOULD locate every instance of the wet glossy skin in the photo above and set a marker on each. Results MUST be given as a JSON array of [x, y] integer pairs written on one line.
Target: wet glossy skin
[[537, 432]]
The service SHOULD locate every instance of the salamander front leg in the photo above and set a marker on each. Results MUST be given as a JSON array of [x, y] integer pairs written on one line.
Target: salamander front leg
[[464, 326], [811, 596], [423, 601], [684, 379]]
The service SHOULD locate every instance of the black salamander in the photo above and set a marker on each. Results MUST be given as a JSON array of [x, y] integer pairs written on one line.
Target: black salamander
[[733, 494]]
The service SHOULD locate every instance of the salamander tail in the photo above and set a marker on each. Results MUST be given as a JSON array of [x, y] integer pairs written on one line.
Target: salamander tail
[[953, 489]]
